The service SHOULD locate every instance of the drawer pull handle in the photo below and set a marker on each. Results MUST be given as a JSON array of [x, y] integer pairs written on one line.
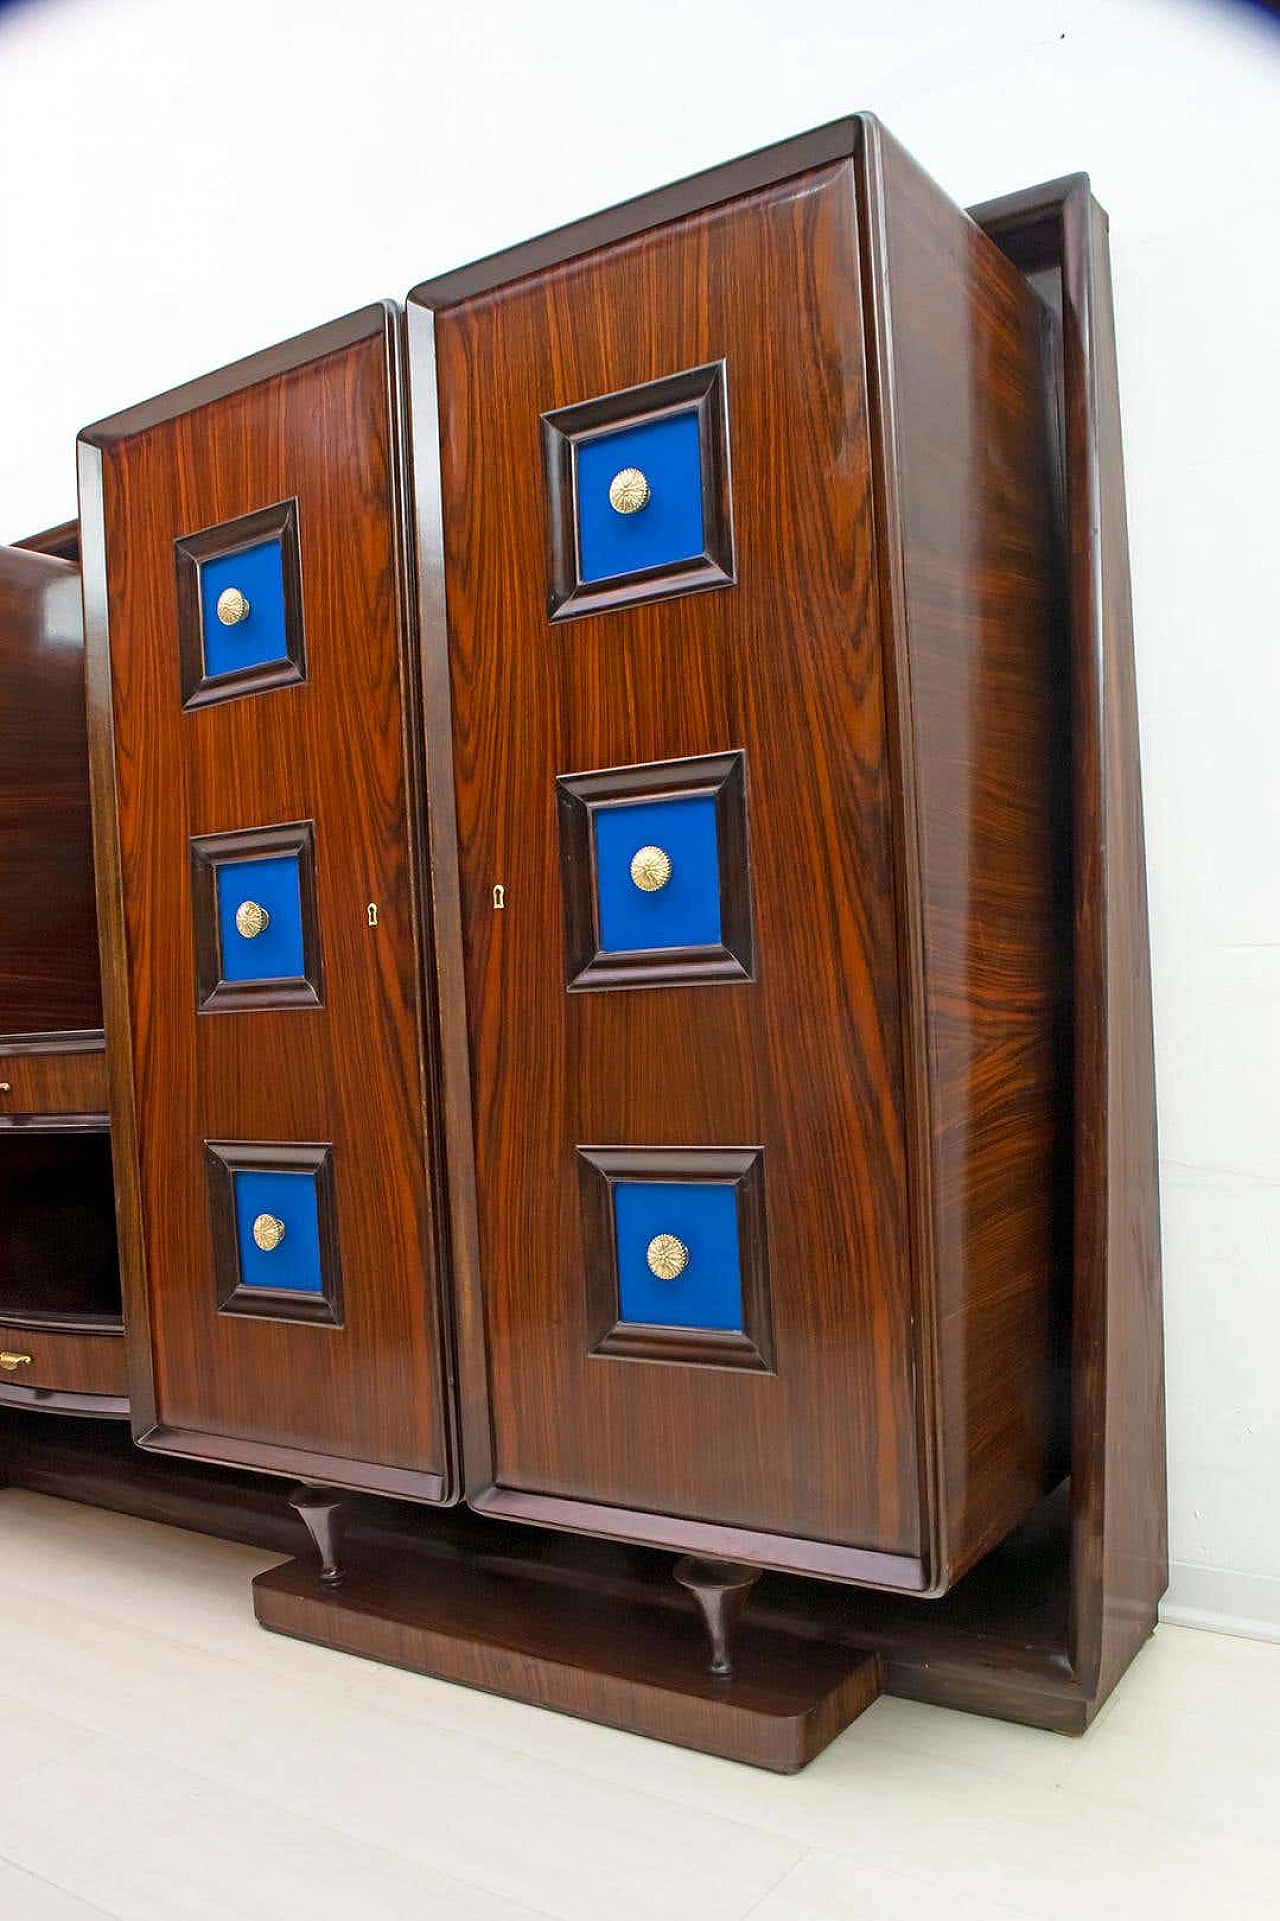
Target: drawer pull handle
[[667, 1257], [10, 1362], [268, 1232], [6, 1087], [629, 491], [650, 868], [251, 920], [233, 607]]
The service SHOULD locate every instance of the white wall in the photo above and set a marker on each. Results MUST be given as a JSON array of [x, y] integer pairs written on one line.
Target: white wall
[[184, 184]]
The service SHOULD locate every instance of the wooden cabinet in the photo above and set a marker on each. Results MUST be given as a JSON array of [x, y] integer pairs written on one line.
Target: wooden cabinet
[[752, 640], [60, 1310], [253, 708]]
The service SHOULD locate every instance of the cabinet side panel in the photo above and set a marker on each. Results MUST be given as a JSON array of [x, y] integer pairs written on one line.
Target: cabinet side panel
[[985, 677]]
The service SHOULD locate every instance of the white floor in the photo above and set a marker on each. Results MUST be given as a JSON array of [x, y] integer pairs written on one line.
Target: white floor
[[161, 1757]]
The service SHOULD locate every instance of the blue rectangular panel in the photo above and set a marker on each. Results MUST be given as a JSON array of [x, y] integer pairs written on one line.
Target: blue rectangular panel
[[259, 639], [685, 911], [669, 527], [703, 1217], [293, 1264], [277, 952]]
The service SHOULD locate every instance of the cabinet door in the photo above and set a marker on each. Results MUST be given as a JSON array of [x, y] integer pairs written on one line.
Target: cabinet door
[[674, 821], [250, 652]]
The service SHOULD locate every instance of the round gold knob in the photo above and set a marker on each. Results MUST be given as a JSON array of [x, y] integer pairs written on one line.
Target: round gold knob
[[628, 491], [251, 920], [232, 607], [650, 868], [11, 1362], [667, 1257], [268, 1232]]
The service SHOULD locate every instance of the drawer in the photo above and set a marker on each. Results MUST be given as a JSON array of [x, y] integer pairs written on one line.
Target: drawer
[[62, 1363], [53, 1083]]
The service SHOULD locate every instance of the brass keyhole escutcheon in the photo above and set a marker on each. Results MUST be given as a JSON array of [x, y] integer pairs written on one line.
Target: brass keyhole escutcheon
[[499, 896], [650, 868], [268, 1232], [629, 491], [11, 1362], [233, 607], [251, 920], [667, 1257], [371, 912]]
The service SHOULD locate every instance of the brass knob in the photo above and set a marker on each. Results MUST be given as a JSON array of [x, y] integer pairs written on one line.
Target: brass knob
[[268, 1232], [251, 920], [6, 1087], [667, 1257], [650, 868], [628, 491], [10, 1362], [232, 607]]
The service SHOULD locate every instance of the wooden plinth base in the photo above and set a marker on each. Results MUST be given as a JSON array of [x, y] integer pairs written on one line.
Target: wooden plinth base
[[643, 1669]]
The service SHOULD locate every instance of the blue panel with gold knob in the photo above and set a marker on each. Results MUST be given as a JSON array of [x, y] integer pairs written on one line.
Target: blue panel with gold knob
[[658, 874], [677, 1249], [278, 1230], [652, 516], [242, 609], [260, 919]]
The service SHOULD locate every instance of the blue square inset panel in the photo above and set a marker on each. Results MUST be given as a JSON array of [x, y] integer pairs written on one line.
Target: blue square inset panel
[[685, 910], [702, 1216], [277, 952], [259, 640], [293, 1264], [668, 528]]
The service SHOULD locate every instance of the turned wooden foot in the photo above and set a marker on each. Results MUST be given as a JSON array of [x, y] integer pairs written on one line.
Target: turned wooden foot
[[322, 1510], [720, 1589]]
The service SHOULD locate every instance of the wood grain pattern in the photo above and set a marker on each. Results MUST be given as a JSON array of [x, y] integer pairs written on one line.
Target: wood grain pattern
[[745, 667], [53, 1081], [48, 931], [363, 1404], [782, 1705], [980, 697], [890, 1429], [69, 1363]]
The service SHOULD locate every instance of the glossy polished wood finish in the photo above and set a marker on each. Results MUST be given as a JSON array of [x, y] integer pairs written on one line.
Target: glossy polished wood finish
[[80, 1364], [48, 932], [53, 1080], [645, 1671], [318, 420], [899, 1055]]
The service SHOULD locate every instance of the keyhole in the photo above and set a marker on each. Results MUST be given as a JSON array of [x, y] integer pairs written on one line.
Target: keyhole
[[499, 895], [373, 913]]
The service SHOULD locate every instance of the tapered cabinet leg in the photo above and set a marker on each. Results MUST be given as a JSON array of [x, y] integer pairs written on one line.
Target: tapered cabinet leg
[[720, 1589], [323, 1510]]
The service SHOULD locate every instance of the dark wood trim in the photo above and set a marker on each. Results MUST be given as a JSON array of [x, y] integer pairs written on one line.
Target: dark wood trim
[[71, 1040], [224, 1159], [210, 853], [868, 186], [789, 1554], [108, 1326], [454, 1061], [819, 147], [56, 1400], [55, 1123], [113, 944], [704, 390], [190, 552], [330, 338], [591, 968], [404, 1484], [742, 1168], [423, 861], [59, 543]]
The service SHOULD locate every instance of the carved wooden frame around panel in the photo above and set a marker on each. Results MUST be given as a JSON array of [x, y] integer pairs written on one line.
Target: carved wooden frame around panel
[[224, 1159], [704, 389], [199, 688], [741, 1168], [209, 852], [590, 968]]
